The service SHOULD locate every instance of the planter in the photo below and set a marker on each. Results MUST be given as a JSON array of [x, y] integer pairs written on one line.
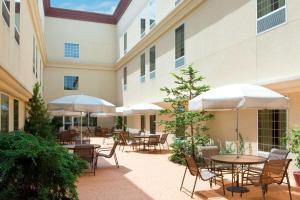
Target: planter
[[297, 178]]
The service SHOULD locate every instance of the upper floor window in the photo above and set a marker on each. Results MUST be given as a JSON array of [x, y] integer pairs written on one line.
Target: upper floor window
[[71, 82], [143, 26], [125, 78], [152, 57], [4, 113], [143, 68], [152, 13], [177, 2], [17, 22], [71, 50], [6, 11], [16, 114], [179, 46], [33, 56], [125, 43], [270, 14]]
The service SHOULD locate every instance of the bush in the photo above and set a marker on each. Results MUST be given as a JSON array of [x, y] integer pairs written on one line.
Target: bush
[[294, 144], [180, 146], [34, 168]]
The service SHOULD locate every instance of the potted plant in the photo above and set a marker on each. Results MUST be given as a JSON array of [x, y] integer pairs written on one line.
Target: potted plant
[[294, 147]]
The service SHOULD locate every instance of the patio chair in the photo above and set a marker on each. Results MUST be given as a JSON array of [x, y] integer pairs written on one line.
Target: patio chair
[[123, 140], [87, 152], [153, 141], [274, 172], [275, 154], [163, 140], [205, 175], [112, 152], [207, 152]]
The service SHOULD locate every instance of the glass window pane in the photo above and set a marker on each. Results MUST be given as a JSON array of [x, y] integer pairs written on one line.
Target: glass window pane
[[179, 42], [4, 113], [143, 65], [152, 58], [71, 82], [71, 50], [16, 114]]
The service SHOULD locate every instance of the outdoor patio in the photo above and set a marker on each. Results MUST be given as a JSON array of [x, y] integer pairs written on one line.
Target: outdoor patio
[[144, 175]]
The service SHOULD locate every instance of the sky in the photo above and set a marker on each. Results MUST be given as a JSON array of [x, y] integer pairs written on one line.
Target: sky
[[98, 6]]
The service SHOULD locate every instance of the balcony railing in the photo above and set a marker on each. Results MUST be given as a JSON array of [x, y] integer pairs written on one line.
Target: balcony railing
[[152, 74], [271, 20], [5, 13], [17, 35], [179, 62], [142, 79]]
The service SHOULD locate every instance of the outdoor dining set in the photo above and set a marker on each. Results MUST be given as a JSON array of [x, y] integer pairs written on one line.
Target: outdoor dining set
[[245, 170]]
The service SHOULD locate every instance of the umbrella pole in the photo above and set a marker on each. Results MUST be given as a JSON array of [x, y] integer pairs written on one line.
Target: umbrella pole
[[237, 133], [81, 127]]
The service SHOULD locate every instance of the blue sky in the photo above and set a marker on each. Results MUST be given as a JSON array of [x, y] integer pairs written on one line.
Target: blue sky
[[98, 6]]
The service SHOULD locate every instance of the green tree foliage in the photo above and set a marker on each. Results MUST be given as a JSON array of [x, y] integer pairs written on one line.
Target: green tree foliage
[[38, 121], [181, 121], [293, 141], [32, 167]]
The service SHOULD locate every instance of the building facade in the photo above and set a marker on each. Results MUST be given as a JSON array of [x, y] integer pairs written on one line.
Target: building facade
[[127, 57]]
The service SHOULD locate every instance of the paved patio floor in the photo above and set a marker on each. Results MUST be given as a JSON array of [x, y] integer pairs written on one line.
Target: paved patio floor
[[151, 176]]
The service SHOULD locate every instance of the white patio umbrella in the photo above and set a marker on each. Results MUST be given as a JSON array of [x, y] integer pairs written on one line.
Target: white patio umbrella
[[81, 103], [66, 113], [236, 97], [143, 109]]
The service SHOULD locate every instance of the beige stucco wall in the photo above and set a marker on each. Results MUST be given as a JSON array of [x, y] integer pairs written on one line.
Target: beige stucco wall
[[97, 41]]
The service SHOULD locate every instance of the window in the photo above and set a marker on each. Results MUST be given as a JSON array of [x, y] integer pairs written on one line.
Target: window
[[125, 43], [36, 62], [270, 14], [71, 50], [6, 11], [33, 56], [143, 123], [17, 22], [152, 124], [152, 13], [143, 68], [179, 46], [125, 78], [4, 113], [272, 127], [16, 114], [177, 2], [143, 27], [93, 121], [71, 82], [152, 62]]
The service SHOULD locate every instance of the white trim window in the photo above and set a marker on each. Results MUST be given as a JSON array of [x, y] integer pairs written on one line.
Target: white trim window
[[152, 59], [6, 11], [4, 108], [179, 46], [125, 42], [143, 27], [125, 78], [143, 68], [71, 50], [270, 14], [272, 128], [71, 82]]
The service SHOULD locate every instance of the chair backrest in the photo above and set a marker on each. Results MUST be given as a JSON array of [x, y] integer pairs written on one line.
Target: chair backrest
[[191, 165], [85, 152], [163, 138], [113, 149], [278, 154], [208, 152], [274, 171], [153, 139]]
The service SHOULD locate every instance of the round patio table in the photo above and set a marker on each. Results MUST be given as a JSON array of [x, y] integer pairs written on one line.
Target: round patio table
[[142, 137], [72, 146], [238, 160]]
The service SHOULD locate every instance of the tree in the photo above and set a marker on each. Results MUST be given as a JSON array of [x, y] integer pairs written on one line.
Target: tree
[[38, 121], [183, 122]]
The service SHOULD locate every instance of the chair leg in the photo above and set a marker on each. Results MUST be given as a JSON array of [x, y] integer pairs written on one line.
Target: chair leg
[[288, 183], [183, 179], [263, 189], [116, 160], [194, 186]]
